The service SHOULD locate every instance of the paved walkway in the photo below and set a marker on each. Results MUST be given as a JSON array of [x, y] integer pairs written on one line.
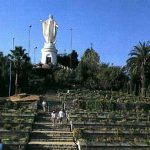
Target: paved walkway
[[45, 136]]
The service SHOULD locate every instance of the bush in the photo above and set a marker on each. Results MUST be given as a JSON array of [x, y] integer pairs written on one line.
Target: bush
[[7, 126], [77, 133], [2, 100], [14, 138]]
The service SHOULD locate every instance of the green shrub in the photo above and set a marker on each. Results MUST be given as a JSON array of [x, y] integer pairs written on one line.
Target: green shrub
[[77, 133], [2, 100], [14, 138], [7, 126]]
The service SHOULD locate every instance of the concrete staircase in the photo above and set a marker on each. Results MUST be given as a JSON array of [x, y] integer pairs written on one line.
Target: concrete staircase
[[47, 137]]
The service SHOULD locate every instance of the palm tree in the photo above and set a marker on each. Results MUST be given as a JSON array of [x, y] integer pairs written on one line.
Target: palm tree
[[139, 61], [19, 58], [4, 67]]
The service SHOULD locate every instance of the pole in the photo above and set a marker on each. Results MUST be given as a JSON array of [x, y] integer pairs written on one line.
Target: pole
[[10, 79], [70, 45], [29, 40], [13, 43], [34, 54], [91, 46], [71, 39]]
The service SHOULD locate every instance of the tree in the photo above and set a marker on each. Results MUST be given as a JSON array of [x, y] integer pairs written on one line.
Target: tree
[[63, 60], [20, 60], [90, 58], [111, 77], [88, 67], [138, 63], [4, 72], [68, 60], [64, 77], [73, 59]]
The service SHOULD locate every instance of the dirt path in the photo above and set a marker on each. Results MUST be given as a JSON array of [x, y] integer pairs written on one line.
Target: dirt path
[[51, 96], [52, 100]]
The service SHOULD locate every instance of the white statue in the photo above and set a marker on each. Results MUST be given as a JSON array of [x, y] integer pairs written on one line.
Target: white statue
[[49, 30]]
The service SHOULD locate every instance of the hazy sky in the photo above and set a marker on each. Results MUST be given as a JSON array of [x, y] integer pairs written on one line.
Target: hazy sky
[[113, 26]]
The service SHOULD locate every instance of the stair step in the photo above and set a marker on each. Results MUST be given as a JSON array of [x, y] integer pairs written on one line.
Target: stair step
[[51, 139], [49, 127], [50, 124], [51, 146], [52, 132], [30, 147], [53, 143], [47, 119]]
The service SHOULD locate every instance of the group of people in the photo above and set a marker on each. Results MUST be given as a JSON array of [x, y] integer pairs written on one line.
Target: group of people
[[54, 115], [59, 116]]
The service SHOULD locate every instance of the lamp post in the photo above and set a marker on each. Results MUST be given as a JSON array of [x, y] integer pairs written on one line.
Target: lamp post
[[13, 43], [13, 46], [29, 39], [91, 46], [10, 78], [71, 38], [70, 44], [34, 54]]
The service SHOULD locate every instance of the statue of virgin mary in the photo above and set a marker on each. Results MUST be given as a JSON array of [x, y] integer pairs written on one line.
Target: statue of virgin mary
[[50, 30]]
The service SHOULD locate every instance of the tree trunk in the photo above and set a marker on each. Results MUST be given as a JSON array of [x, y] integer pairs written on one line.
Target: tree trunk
[[143, 85], [130, 86], [16, 84]]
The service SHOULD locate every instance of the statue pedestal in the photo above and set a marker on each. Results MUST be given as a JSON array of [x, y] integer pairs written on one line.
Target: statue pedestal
[[49, 54]]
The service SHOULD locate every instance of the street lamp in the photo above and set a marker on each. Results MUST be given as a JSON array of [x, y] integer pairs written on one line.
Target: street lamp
[[34, 54], [13, 46], [71, 38], [91, 46], [10, 78], [13, 43], [70, 45], [29, 40]]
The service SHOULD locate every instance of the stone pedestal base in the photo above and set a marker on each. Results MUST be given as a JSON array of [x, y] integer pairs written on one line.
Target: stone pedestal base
[[49, 54]]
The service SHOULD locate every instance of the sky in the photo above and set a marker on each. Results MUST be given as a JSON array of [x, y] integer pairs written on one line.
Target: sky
[[113, 27]]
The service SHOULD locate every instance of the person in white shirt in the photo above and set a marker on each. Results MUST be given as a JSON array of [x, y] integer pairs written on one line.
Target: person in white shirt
[[44, 106], [1, 145], [60, 116], [53, 117]]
